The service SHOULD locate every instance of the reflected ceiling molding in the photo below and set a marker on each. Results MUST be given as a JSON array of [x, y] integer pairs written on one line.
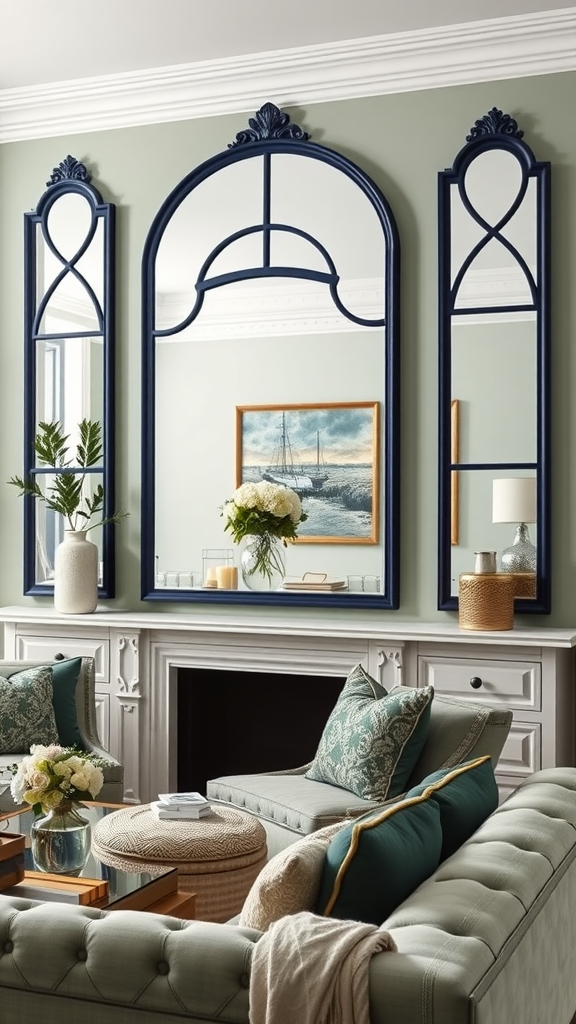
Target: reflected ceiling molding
[[284, 310], [73, 309], [491, 287], [482, 51]]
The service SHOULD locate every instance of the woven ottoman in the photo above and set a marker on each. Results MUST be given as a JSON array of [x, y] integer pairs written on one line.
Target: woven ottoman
[[218, 857]]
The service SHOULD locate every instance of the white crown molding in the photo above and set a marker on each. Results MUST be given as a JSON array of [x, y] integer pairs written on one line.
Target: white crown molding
[[289, 309], [512, 47], [275, 311], [496, 286]]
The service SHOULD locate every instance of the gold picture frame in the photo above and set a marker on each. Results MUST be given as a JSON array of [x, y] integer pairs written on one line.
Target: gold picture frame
[[328, 453], [454, 482]]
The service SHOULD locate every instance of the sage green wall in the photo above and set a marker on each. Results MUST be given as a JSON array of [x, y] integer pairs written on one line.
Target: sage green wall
[[402, 141]]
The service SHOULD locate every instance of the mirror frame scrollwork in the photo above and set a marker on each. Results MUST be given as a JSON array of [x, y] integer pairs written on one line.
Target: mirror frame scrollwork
[[271, 132], [69, 177], [495, 131]]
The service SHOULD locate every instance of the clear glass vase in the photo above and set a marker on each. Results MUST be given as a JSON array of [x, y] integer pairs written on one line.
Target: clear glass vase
[[262, 562], [60, 840]]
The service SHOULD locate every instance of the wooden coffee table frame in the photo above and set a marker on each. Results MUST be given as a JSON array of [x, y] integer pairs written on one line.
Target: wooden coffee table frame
[[159, 896]]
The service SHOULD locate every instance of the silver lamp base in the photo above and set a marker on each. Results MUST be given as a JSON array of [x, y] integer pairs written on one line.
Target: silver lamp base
[[521, 555]]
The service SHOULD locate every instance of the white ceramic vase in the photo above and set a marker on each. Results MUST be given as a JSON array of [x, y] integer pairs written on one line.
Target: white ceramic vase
[[76, 574]]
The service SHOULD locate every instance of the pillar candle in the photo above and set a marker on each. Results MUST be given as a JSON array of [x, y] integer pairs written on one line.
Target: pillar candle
[[227, 577], [211, 580]]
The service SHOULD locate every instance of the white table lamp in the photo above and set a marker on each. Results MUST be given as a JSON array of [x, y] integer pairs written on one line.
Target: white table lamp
[[514, 501]]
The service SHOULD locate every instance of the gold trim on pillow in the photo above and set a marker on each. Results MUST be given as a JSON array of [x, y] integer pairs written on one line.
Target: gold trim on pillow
[[359, 827], [455, 772]]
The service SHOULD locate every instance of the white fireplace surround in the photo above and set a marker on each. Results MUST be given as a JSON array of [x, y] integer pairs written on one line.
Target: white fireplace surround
[[138, 655]]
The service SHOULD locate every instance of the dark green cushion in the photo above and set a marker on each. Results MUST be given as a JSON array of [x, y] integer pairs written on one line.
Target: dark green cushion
[[374, 863], [64, 678], [27, 713], [372, 738], [466, 796]]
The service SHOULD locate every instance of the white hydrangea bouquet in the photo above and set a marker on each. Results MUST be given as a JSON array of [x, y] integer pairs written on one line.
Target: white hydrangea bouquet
[[49, 777], [266, 512]]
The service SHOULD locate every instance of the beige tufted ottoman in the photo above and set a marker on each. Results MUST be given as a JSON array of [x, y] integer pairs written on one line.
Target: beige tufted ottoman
[[218, 857]]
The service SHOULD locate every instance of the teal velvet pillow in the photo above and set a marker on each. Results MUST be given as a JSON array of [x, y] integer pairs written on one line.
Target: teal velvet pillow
[[374, 863], [466, 795], [26, 711], [64, 678], [372, 738]]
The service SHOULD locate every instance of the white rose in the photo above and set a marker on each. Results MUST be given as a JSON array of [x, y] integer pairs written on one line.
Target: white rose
[[38, 780], [19, 783], [52, 799], [80, 781], [95, 780], [40, 753]]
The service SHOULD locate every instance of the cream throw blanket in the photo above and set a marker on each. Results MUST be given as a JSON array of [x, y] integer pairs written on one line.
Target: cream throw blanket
[[308, 969]]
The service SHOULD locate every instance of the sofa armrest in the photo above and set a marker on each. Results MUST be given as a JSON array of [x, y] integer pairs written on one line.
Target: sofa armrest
[[128, 959], [494, 923]]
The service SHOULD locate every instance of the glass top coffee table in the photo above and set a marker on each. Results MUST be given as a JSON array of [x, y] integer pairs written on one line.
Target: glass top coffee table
[[126, 890]]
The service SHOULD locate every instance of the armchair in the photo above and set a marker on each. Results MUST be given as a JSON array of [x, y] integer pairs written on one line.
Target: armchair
[[75, 712], [291, 805]]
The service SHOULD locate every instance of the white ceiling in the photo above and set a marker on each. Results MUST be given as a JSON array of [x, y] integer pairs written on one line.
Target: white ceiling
[[43, 41]]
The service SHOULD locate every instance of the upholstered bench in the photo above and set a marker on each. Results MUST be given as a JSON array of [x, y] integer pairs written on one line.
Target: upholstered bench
[[217, 857]]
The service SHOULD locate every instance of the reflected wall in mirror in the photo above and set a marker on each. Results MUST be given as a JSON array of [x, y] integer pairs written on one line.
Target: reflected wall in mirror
[[270, 279], [69, 341], [494, 338]]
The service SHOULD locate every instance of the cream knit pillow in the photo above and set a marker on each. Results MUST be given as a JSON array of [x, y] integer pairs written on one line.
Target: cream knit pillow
[[290, 882]]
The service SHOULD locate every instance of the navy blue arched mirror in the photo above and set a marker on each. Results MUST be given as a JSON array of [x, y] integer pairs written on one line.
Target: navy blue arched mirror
[[270, 351], [69, 366], [494, 338]]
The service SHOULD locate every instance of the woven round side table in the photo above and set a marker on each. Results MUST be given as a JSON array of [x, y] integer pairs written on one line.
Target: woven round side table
[[218, 857]]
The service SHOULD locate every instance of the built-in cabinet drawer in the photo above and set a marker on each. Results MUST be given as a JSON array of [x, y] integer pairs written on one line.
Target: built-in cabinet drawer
[[505, 679], [36, 648], [516, 684]]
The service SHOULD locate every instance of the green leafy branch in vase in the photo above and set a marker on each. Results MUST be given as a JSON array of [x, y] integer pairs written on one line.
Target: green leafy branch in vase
[[65, 494]]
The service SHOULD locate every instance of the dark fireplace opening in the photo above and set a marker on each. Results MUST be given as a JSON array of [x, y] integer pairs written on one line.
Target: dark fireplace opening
[[231, 722]]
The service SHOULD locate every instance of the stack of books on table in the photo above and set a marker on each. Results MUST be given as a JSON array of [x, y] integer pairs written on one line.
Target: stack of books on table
[[174, 806]]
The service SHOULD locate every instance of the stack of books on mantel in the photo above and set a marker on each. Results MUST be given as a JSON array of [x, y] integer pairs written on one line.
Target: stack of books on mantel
[[185, 806]]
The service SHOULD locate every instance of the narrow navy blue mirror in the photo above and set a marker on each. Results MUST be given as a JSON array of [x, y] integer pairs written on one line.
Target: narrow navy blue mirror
[[69, 365], [494, 363], [270, 353]]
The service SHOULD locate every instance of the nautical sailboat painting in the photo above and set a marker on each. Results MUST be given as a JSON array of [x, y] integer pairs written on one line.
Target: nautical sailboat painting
[[328, 454]]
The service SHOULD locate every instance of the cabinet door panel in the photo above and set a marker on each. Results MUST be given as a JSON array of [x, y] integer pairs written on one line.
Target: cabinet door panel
[[522, 753], [103, 718]]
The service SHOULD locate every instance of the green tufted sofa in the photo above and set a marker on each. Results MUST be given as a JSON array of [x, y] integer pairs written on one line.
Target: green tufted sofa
[[489, 938]]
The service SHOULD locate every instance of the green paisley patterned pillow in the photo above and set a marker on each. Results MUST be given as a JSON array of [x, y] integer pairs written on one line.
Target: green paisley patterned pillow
[[26, 711], [372, 739]]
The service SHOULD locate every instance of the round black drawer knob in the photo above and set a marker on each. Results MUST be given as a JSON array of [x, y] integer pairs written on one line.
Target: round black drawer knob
[[475, 682], [59, 657]]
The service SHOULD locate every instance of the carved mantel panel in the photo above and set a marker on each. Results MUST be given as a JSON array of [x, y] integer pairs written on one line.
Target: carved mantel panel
[[138, 655]]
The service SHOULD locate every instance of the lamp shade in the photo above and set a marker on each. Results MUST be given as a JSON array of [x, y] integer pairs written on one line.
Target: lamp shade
[[514, 500]]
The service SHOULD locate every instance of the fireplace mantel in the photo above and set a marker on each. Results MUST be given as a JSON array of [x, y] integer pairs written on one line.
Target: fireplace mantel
[[138, 654]]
